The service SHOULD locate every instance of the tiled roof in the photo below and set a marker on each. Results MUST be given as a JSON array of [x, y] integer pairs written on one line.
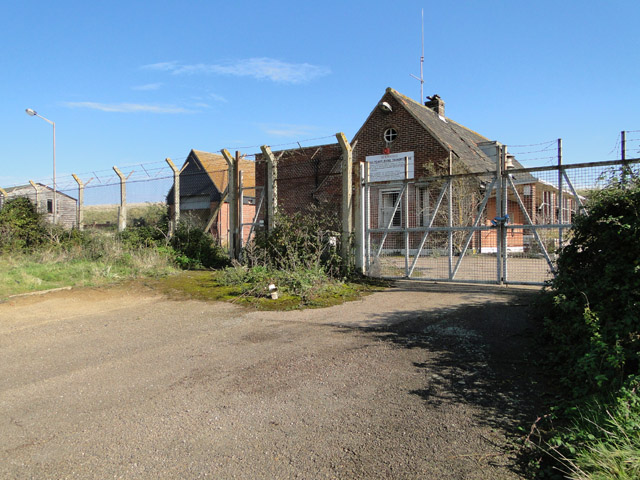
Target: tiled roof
[[218, 170], [461, 140]]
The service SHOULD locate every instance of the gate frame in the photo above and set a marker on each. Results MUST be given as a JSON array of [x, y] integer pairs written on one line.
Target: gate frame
[[502, 183]]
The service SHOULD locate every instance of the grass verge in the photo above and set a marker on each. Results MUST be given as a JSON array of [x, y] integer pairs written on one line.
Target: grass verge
[[25, 273]]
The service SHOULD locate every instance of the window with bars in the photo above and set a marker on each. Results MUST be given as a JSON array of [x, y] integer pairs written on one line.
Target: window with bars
[[423, 203], [388, 199]]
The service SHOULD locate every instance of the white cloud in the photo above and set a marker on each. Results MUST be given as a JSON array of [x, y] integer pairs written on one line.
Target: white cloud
[[148, 86], [286, 130], [259, 68], [128, 107], [164, 66], [217, 98]]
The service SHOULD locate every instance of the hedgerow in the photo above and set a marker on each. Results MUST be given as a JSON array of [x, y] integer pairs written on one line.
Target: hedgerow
[[592, 331]]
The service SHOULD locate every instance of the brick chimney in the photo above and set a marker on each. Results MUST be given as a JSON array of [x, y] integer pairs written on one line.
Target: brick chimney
[[436, 104]]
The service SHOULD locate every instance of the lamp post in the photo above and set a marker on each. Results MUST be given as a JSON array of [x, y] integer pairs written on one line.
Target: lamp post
[[33, 113]]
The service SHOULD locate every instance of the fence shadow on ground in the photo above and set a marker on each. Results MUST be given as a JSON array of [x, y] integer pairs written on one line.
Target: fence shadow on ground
[[482, 354]]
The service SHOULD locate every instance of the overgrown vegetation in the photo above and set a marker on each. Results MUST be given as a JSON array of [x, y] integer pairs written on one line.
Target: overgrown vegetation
[[300, 257], [593, 335], [35, 255]]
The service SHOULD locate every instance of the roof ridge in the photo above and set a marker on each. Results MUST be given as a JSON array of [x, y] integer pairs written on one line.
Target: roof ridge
[[393, 91], [208, 153]]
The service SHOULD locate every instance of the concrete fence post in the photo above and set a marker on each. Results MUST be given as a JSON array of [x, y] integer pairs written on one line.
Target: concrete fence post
[[80, 210], [240, 210], [232, 195], [175, 217], [347, 200], [359, 220], [35, 187], [122, 211], [271, 187]]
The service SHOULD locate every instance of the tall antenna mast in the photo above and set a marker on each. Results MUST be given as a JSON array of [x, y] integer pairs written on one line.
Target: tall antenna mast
[[421, 79]]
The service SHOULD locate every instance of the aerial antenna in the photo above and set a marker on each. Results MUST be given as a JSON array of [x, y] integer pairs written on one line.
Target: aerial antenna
[[421, 79]]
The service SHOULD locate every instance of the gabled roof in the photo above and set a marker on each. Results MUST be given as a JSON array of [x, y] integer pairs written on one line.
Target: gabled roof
[[462, 141], [29, 187], [453, 136], [218, 171]]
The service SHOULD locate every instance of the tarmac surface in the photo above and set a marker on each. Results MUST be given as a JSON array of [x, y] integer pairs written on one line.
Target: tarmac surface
[[419, 381]]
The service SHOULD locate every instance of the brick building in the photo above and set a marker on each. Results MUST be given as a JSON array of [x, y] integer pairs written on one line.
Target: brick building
[[399, 127], [203, 182]]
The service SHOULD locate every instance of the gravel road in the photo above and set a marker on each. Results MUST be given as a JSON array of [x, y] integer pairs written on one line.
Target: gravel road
[[420, 381]]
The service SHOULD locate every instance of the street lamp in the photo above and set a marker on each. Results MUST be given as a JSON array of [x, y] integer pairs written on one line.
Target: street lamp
[[33, 113]]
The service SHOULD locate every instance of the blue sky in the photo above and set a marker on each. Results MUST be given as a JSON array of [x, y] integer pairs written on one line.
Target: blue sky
[[136, 82]]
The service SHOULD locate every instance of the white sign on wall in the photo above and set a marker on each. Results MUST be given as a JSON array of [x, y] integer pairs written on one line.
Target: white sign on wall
[[383, 168]]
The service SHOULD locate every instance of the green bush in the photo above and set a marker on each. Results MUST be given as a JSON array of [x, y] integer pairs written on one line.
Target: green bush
[[594, 326], [592, 331], [302, 283], [21, 227], [144, 236], [196, 249], [302, 241]]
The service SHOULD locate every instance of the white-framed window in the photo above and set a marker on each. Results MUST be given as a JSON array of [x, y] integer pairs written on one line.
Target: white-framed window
[[388, 199], [549, 206]]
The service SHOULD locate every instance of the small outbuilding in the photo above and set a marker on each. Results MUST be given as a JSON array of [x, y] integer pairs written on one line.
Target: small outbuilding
[[204, 179], [42, 197]]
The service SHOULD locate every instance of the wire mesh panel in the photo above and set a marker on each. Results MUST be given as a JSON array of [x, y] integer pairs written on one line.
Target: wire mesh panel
[[251, 214], [479, 227]]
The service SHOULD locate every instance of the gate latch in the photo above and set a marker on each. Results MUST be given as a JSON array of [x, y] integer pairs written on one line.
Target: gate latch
[[500, 220]]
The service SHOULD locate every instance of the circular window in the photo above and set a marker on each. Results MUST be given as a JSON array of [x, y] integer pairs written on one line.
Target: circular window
[[390, 135]]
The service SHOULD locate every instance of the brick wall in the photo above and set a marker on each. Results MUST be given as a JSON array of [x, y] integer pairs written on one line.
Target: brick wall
[[412, 137], [306, 176]]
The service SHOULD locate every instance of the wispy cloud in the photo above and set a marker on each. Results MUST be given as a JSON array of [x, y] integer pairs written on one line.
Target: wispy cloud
[[128, 107], [165, 66], [259, 68], [148, 86], [217, 98], [287, 130]]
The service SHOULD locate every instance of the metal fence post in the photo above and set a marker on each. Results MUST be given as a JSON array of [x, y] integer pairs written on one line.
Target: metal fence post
[[560, 194], [405, 207], [450, 215], [499, 187], [505, 213]]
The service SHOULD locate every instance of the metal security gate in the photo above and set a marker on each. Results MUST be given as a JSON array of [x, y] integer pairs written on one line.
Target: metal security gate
[[501, 227]]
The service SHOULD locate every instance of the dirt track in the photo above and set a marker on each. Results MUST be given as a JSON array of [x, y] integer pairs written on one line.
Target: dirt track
[[421, 381]]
